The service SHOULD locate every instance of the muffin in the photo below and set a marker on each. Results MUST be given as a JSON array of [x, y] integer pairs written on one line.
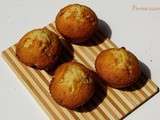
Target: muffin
[[76, 22], [38, 48], [118, 67], [72, 85]]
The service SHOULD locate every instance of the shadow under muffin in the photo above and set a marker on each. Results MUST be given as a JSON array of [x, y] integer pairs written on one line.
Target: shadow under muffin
[[66, 55], [102, 33]]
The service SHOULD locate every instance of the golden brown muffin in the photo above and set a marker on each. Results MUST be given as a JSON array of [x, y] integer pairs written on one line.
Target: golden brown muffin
[[118, 67], [76, 22], [72, 85], [38, 48]]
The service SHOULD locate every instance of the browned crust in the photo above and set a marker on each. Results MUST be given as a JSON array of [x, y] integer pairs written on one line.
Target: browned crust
[[60, 92], [118, 77], [73, 29], [35, 55]]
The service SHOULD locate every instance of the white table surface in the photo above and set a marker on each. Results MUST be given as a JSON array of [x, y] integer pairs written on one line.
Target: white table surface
[[133, 27]]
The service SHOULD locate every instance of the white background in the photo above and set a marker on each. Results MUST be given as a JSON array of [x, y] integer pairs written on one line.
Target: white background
[[137, 30]]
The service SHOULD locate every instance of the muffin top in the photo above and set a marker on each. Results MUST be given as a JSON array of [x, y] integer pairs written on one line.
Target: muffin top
[[118, 67], [78, 12], [76, 22], [41, 36], [72, 85], [38, 48], [72, 76]]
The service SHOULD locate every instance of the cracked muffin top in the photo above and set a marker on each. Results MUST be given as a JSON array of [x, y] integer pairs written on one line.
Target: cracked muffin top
[[76, 22], [72, 85], [118, 67], [38, 48]]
